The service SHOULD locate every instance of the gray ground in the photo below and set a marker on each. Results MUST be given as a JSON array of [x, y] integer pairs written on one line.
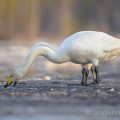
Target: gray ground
[[55, 91]]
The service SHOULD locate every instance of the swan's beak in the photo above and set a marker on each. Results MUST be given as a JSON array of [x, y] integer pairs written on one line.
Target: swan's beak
[[8, 82], [15, 83]]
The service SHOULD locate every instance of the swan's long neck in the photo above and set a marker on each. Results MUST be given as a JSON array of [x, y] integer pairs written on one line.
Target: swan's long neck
[[53, 56]]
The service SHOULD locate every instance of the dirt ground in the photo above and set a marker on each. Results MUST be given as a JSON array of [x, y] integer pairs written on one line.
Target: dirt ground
[[55, 92], [61, 98]]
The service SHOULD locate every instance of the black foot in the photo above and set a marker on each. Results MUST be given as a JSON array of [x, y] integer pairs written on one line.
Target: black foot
[[93, 83], [83, 84]]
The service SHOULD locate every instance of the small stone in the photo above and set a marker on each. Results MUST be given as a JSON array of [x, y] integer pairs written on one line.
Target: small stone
[[47, 77], [31, 88], [73, 90], [98, 90], [112, 89], [51, 89]]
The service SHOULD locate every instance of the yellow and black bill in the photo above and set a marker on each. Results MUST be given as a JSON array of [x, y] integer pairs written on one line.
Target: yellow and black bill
[[9, 82]]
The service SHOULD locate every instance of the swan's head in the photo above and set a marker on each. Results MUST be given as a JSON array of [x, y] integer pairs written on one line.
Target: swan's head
[[14, 77]]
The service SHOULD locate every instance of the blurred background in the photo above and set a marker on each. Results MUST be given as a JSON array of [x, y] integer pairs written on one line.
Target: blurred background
[[25, 22], [57, 18], [49, 89]]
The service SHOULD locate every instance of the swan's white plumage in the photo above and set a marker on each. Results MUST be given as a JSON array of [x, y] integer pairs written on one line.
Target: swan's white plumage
[[87, 47], [42, 44]]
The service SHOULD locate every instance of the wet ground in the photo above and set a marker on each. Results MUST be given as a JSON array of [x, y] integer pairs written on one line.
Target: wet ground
[[53, 92]]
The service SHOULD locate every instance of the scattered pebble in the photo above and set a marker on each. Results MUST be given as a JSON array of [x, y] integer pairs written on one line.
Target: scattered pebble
[[35, 88], [51, 89], [47, 77], [73, 90], [98, 90], [112, 89], [30, 88]]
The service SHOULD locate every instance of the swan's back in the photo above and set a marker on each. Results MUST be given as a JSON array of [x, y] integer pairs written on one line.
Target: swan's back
[[91, 39]]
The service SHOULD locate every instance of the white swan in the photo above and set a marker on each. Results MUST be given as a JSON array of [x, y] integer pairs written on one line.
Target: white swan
[[87, 47], [85, 68]]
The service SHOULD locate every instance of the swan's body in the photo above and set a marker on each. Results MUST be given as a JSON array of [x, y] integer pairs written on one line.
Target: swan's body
[[87, 47]]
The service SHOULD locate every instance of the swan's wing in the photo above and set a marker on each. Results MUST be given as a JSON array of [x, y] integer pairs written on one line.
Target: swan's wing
[[110, 44], [111, 48]]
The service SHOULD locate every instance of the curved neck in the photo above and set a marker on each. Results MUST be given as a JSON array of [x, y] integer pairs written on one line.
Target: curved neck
[[50, 54]]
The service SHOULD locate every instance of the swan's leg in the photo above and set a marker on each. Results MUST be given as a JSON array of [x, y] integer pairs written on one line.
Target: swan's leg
[[93, 73], [83, 75], [97, 74], [97, 80], [86, 76], [89, 67]]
